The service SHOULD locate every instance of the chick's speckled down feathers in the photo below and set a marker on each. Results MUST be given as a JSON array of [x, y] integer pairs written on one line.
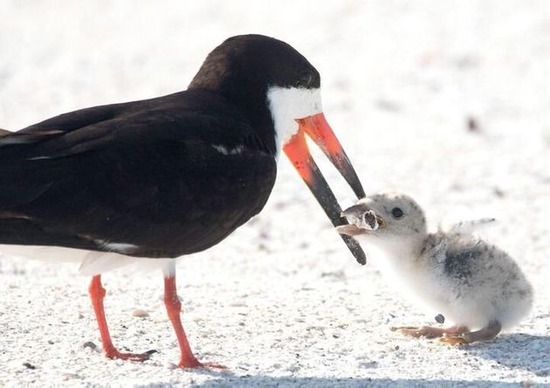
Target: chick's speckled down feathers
[[474, 284]]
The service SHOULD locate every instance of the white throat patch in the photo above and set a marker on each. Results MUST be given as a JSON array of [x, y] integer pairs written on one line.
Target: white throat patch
[[289, 104]]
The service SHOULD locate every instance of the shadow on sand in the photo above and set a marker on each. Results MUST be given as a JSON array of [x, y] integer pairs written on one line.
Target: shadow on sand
[[317, 382], [517, 351]]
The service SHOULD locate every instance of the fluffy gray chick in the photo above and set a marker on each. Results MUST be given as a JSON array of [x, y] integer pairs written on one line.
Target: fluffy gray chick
[[474, 284]]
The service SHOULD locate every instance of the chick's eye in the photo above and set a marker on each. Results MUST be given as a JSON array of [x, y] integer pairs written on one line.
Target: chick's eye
[[397, 212]]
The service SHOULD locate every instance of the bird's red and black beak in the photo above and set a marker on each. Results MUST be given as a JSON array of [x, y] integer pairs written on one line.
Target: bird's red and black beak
[[317, 128]]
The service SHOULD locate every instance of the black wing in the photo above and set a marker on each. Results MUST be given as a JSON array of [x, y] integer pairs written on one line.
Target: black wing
[[161, 177]]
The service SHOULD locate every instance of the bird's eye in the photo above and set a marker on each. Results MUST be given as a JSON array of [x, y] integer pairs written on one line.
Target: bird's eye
[[304, 80], [397, 212]]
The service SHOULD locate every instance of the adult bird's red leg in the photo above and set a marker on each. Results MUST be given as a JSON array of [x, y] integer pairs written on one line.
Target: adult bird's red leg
[[173, 308], [97, 294]]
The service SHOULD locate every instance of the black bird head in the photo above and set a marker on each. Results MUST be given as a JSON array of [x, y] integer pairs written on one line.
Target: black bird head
[[279, 90]]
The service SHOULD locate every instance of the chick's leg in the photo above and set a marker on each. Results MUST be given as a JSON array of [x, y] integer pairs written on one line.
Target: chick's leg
[[487, 333]]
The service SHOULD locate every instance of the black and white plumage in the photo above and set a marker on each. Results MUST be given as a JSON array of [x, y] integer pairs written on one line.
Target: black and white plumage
[[169, 176], [472, 283]]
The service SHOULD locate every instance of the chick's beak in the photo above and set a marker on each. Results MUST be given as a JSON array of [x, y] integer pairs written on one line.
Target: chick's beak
[[317, 128], [353, 216], [357, 215], [350, 230]]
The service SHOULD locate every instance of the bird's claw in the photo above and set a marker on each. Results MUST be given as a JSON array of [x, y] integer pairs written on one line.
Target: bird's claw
[[410, 331], [197, 364], [454, 340], [416, 332], [212, 365]]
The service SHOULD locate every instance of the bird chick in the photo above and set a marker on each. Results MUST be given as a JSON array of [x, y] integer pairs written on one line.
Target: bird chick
[[472, 283]]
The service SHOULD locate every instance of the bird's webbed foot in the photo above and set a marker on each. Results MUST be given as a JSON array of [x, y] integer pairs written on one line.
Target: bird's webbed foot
[[429, 331], [487, 333]]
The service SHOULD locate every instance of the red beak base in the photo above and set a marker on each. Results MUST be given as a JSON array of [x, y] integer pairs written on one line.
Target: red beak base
[[297, 151]]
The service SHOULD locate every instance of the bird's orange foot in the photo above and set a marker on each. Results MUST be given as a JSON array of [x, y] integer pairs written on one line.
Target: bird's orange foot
[[416, 332], [453, 340], [209, 365], [192, 362], [129, 356], [411, 331]]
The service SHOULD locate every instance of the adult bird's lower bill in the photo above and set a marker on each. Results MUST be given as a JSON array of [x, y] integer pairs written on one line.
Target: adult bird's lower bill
[[160, 178]]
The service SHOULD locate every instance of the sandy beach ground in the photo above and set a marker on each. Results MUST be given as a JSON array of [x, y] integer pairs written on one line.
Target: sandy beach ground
[[446, 101]]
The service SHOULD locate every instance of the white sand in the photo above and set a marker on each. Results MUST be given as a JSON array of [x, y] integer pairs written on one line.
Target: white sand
[[282, 302]]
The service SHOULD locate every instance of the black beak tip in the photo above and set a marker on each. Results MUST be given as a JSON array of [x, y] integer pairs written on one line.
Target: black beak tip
[[355, 249]]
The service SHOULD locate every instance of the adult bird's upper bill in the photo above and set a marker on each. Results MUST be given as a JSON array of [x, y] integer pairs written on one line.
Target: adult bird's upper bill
[[168, 176]]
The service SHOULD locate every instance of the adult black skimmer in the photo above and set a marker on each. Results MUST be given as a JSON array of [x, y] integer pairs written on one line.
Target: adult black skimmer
[[169, 176]]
